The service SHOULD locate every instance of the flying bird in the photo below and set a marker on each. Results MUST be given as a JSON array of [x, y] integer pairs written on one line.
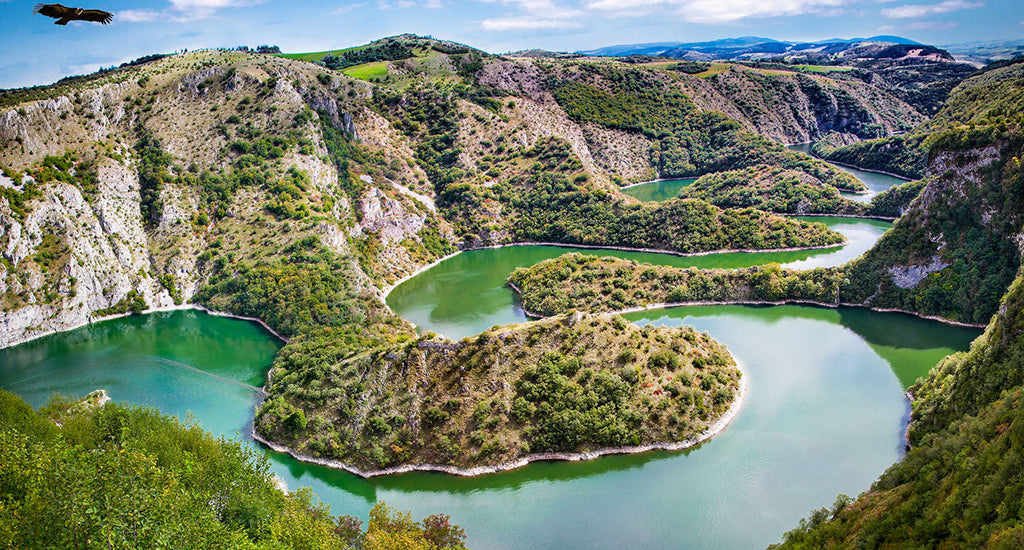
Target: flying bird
[[63, 14]]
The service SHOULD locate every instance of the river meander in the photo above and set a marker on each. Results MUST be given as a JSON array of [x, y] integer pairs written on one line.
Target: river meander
[[661, 190], [825, 411], [875, 181]]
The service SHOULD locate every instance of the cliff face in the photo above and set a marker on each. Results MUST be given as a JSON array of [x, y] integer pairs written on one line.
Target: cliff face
[[797, 108], [236, 168], [101, 253], [145, 184], [958, 245]]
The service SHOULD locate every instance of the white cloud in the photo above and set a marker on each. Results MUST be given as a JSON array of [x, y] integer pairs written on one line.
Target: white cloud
[[431, 4], [533, 14], [922, 10], [527, 22], [140, 16], [721, 11], [184, 11], [347, 8], [932, 25]]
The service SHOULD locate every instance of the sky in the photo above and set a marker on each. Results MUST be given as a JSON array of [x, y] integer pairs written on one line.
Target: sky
[[35, 51]]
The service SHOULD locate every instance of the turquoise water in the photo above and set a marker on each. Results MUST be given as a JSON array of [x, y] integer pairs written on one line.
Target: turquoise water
[[824, 414], [466, 294], [875, 182], [656, 191]]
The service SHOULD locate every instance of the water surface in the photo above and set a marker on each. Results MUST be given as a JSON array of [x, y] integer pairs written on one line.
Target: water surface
[[466, 294], [824, 414], [656, 191], [875, 182]]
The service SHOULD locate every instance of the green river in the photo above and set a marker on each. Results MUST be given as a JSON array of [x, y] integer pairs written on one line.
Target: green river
[[662, 190], [875, 181], [825, 411], [655, 191]]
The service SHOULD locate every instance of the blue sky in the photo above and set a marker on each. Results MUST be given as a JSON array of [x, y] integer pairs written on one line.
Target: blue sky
[[35, 51]]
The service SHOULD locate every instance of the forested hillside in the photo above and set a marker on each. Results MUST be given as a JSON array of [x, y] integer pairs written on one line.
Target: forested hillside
[[89, 475], [956, 249]]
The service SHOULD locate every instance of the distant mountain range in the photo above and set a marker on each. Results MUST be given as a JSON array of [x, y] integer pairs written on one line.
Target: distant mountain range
[[984, 52], [758, 47], [744, 47]]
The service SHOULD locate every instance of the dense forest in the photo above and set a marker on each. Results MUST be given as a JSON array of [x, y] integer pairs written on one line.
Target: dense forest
[[587, 283], [93, 475]]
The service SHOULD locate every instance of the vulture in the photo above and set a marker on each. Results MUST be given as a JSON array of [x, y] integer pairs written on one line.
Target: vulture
[[63, 14]]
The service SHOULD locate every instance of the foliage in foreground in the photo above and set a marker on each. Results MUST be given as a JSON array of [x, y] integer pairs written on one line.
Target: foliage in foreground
[[73, 476]]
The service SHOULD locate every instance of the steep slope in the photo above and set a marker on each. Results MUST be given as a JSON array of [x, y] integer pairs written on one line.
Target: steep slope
[[152, 180], [956, 246], [956, 249], [77, 473], [281, 190], [794, 107]]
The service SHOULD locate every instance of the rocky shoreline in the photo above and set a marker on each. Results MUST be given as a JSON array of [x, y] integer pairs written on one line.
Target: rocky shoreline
[[181, 307]]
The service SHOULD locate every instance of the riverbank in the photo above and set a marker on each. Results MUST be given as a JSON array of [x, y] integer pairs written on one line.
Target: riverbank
[[657, 180], [387, 290], [855, 216], [180, 307], [711, 431], [666, 305], [862, 169]]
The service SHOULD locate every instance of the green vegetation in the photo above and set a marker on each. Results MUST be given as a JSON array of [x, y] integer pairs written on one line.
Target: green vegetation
[[822, 68], [388, 50], [168, 282], [19, 200], [973, 260], [548, 197], [311, 289], [690, 142], [895, 201], [571, 383], [689, 67], [589, 283], [80, 475], [132, 302], [556, 213], [902, 155], [773, 189], [959, 486], [714, 69], [368, 70]]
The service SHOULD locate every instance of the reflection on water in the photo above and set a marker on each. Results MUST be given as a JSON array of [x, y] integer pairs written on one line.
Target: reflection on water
[[656, 191], [875, 182], [824, 414]]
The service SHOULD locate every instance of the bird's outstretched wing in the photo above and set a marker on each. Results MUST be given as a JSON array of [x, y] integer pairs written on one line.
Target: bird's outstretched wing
[[98, 16], [55, 11], [64, 14]]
